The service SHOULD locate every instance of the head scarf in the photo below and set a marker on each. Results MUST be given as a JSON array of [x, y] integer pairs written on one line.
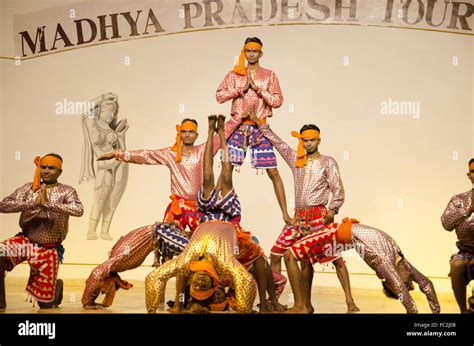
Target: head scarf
[[47, 160], [240, 67], [301, 158], [187, 125], [205, 266]]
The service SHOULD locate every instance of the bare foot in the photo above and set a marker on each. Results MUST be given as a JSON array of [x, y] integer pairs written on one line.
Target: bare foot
[[175, 310], [351, 307], [295, 310], [278, 307], [92, 236], [212, 119], [220, 123], [198, 309], [94, 306], [265, 308], [106, 236]]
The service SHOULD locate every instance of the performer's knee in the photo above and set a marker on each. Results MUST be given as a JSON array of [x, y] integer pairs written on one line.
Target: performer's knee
[[339, 263], [274, 259], [273, 173], [289, 257], [458, 268]]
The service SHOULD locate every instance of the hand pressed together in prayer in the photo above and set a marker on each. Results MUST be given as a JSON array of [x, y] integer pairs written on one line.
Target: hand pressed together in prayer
[[250, 83], [246, 86], [42, 198], [250, 80]]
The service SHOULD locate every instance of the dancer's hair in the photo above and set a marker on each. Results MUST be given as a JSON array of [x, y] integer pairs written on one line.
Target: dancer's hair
[[253, 39], [189, 119], [309, 127], [388, 292]]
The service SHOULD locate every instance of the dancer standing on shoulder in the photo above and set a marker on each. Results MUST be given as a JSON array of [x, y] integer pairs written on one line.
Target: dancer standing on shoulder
[[257, 88]]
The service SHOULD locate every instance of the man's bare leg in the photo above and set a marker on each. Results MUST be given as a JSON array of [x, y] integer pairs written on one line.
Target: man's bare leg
[[279, 188], [296, 282], [307, 275], [271, 290], [225, 178], [208, 162], [343, 276], [260, 277], [275, 263]]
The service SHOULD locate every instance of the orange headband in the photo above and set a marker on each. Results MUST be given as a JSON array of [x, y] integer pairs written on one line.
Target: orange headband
[[471, 166], [344, 232], [218, 306], [300, 153], [187, 125], [202, 295], [240, 67], [206, 266], [48, 160]]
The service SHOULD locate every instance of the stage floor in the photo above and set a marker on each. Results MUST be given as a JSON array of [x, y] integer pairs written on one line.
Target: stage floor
[[324, 299]]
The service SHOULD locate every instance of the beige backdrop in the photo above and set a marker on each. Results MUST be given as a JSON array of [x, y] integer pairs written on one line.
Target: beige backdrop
[[399, 171]]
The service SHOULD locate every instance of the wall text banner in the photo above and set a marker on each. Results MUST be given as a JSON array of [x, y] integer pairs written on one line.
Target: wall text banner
[[98, 22]]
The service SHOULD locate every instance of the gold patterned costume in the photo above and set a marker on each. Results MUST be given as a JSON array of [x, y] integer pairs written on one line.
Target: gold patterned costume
[[219, 237]]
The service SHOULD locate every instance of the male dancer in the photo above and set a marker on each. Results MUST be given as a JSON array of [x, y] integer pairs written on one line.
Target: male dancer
[[45, 206], [257, 88], [458, 216], [128, 253], [215, 238], [315, 176], [184, 160], [376, 248]]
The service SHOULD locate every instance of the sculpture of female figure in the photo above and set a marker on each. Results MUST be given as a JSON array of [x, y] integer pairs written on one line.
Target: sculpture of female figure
[[102, 134]]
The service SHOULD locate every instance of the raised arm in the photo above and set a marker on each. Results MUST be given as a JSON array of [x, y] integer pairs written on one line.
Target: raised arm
[[335, 186], [15, 203], [288, 154], [454, 214], [426, 286], [71, 205], [227, 90], [142, 157], [273, 96]]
